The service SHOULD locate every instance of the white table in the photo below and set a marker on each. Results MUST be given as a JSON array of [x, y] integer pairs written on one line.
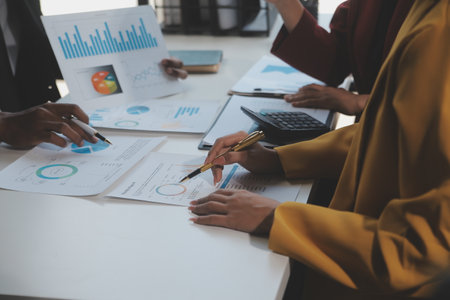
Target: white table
[[101, 248]]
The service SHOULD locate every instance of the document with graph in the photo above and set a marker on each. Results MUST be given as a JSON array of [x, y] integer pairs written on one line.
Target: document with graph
[[157, 115], [73, 170], [157, 179], [272, 77], [111, 55]]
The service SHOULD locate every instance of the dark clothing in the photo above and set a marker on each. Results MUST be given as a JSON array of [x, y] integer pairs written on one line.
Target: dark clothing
[[36, 69], [361, 36]]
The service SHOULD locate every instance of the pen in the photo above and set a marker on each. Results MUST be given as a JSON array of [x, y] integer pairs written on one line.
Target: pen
[[247, 141], [89, 130], [275, 90]]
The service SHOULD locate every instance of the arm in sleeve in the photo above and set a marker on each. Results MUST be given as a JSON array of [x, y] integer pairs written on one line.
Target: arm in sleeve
[[313, 50], [322, 157], [408, 245]]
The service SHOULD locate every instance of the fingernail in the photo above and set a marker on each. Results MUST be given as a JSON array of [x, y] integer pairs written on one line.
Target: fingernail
[[193, 219]]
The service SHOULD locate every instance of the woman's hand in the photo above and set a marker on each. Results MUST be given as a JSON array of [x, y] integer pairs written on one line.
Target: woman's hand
[[174, 67], [41, 123], [235, 209], [319, 96], [255, 158]]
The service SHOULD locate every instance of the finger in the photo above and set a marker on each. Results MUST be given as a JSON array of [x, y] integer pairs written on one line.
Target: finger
[[51, 137], [179, 73], [66, 130], [67, 110], [314, 103], [224, 143], [209, 208], [217, 173], [172, 62], [211, 220], [217, 197], [84, 135]]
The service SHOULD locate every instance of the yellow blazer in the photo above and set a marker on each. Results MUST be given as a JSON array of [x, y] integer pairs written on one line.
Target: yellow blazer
[[387, 233]]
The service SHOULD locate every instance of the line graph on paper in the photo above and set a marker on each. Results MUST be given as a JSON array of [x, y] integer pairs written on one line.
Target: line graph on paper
[[143, 76]]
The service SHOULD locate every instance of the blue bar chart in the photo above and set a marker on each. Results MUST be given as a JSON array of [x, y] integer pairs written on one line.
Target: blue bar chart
[[101, 41], [186, 111]]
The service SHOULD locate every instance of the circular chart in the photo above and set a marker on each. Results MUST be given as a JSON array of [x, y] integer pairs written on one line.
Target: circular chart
[[126, 123], [89, 147], [138, 110], [104, 82], [171, 189], [56, 171]]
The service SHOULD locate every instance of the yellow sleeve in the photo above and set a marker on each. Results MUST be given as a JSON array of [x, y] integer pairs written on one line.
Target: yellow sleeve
[[409, 243], [322, 157], [404, 248]]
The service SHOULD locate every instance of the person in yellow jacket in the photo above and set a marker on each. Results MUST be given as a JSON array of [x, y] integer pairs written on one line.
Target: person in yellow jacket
[[386, 233]]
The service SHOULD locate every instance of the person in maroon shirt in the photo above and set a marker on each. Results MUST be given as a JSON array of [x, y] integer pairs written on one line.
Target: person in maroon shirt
[[361, 35]]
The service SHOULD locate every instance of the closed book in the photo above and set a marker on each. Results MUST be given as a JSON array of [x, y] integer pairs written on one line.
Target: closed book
[[199, 61]]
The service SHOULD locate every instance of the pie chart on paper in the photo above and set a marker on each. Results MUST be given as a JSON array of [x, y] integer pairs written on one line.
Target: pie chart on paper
[[138, 110], [104, 82], [89, 147]]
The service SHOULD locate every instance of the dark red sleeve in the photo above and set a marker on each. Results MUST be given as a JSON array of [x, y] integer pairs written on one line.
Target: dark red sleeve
[[315, 51]]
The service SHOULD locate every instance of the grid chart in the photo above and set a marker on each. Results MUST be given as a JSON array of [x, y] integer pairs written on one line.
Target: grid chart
[[187, 110], [104, 43]]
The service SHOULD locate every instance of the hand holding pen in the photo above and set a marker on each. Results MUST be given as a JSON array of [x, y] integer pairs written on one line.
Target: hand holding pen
[[43, 123], [89, 130], [243, 143]]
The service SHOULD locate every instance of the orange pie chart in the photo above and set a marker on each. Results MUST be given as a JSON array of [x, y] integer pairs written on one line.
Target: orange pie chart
[[104, 82]]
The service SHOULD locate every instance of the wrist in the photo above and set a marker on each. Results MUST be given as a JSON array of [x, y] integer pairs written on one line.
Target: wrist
[[291, 11], [263, 229]]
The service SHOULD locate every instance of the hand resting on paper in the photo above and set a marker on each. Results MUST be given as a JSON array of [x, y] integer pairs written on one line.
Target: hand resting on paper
[[174, 67], [256, 158], [319, 96], [236, 209], [41, 123]]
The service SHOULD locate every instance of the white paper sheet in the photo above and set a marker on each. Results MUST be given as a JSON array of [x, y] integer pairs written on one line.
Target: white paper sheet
[[157, 180], [270, 75], [73, 170], [111, 56], [157, 115], [232, 119]]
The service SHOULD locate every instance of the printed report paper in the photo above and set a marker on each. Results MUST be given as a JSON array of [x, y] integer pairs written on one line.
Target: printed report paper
[[157, 115], [73, 170], [272, 76], [157, 179], [111, 56]]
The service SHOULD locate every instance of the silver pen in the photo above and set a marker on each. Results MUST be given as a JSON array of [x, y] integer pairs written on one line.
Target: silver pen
[[89, 130]]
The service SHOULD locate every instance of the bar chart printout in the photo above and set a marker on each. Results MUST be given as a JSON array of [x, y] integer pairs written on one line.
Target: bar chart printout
[[111, 55], [101, 41]]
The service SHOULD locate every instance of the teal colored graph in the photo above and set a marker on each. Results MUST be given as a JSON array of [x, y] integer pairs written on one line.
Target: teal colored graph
[[282, 69], [56, 171], [138, 110], [186, 111], [75, 45], [89, 147]]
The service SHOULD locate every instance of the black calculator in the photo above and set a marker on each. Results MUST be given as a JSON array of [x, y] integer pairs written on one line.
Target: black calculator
[[287, 126]]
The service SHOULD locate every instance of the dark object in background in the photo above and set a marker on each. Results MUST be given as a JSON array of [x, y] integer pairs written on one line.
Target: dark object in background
[[252, 17], [312, 6]]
